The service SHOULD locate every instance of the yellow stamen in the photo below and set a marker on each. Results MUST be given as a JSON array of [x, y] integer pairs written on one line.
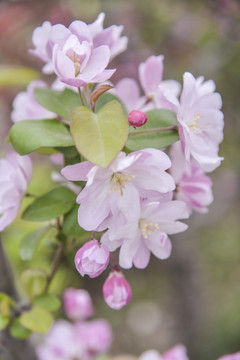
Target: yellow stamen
[[195, 124], [117, 182], [147, 227]]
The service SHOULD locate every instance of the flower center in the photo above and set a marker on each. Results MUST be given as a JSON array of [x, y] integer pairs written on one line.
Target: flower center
[[195, 125], [76, 61], [118, 181], [147, 227]]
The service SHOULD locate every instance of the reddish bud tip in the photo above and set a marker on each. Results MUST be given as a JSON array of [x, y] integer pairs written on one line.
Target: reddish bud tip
[[137, 118]]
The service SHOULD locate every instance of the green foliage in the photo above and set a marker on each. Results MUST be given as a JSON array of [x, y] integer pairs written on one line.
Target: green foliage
[[4, 321], [34, 282], [47, 301], [51, 205], [60, 103], [99, 137], [70, 224], [18, 331], [5, 304], [37, 319], [15, 76], [29, 135], [30, 242], [71, 155], [157, 139], [108, 97]]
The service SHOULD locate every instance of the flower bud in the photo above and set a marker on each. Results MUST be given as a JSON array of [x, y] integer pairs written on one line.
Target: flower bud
[[116, 290], [137, 118], [92, 259], [77, 304]]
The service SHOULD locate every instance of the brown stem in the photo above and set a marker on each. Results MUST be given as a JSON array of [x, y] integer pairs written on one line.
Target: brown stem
[[56, 262], [146, 131]]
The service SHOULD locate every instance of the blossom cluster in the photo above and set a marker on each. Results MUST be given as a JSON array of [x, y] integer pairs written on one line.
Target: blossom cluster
[[81, 339], [139, 199]]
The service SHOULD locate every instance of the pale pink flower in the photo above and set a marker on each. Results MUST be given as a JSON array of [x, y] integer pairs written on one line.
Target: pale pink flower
[[153, 85], [96, 336], [128, 91], [62, 343], [15, 174], [110, 36], [26, 107], [137, 118], [77, 304], [92, 259], [42, 49], [200, 120], [146, 234], [151, 80], [119, 187], [192, 185], [235, 356], [178, 352], [116, 290]]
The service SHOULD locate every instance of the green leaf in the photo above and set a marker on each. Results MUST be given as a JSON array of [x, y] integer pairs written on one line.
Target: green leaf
[[5, 304], [37, 319], [70, 224], [71, 155], [17, 76], [34, 282], [51, 205], [18, 331], [29, 135], [4, 321], [99, 137], [156, 119], [30, 242], [47, 301], [108, 97], [61, 103]]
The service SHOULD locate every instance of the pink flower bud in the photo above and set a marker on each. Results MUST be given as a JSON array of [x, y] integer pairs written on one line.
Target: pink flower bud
[[116, 290], [92, 259], [77, 304], [137, 118]]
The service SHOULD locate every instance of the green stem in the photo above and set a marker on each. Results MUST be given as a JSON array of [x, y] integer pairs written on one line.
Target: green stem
[[80, 95], [147, 131], [56, 262]]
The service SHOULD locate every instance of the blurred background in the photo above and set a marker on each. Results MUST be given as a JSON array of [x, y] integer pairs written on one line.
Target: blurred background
[[194, 297]]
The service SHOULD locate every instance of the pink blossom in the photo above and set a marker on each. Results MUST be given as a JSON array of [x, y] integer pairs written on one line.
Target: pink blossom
[[110, 36], [200, 120], [116, 290], [80, 53], [42, 49], [137, 118], [62, 343], [77, 304], [119, 187], [15, 174], [178, 352], [96, 336], [154, 87], [146, 234], [92, 259], [151, 79], [26, 107], [235, 356], [192, 185]]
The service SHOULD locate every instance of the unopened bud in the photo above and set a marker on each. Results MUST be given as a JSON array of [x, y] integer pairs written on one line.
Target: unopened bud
[[92, 259], [116, 290], [137, 118]]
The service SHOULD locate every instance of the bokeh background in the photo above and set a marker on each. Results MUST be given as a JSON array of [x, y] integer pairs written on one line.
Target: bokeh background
[[194, 297]]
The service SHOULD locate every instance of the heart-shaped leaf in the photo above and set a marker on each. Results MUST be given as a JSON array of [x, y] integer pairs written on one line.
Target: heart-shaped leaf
[[37, 319], [99, 136]]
